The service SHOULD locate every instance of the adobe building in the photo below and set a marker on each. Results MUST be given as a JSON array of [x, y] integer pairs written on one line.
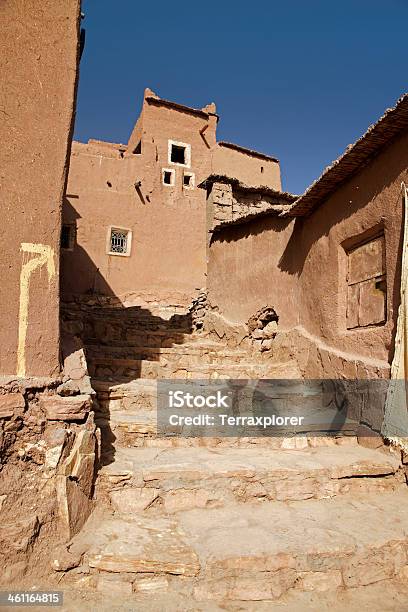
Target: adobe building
[[306, 288], [328, 262], [294, 287], [134, 218]]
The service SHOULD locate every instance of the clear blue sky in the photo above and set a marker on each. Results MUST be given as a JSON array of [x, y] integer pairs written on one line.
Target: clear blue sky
[[296, 79]]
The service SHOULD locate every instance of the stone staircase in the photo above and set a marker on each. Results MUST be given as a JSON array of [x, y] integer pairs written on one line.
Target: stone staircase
[[216, 521]]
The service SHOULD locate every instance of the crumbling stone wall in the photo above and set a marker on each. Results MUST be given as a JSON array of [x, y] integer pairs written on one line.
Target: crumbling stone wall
[[230, 200], [198, 311], [262, 328], [48, 454]]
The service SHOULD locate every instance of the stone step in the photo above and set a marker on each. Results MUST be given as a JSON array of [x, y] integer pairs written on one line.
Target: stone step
[[184, 478], [128, 312], [122, 394], [108, 368], [190, 340], [184, 353], [155, 594], [255, 553], [130, 369], [149, 321], [131, 338], [136, 426]]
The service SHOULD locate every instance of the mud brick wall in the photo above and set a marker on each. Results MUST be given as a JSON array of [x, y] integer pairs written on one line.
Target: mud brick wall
[[38, 63], [300, 268]]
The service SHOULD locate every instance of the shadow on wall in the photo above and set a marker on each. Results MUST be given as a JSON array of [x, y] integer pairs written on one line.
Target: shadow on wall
[[346, 201], [120, 343], [90, 281], [253, 228], [308, 230]]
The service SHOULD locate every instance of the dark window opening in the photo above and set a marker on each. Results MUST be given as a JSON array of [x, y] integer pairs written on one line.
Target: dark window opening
[[178, 154], [167, 177], [67, 237], [109, 184], [138, 148], [187, 180], [262, 169]]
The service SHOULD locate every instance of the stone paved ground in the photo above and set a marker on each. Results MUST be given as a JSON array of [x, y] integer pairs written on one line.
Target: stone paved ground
[[231, 524], [380, 597]]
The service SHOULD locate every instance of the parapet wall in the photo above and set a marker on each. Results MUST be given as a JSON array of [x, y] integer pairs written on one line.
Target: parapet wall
[[250, 167]]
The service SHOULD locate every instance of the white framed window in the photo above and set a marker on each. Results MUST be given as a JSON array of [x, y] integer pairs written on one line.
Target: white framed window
[[188, 180], [168, 177], [119, 241], [179, 153]]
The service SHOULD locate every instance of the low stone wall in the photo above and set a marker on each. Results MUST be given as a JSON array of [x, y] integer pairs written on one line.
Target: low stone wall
[[48, 456], [313, 360], [95, 322]]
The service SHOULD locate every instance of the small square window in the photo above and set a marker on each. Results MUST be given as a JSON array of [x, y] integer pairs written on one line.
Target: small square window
[[67, 237], [188, 180], [168, 177], [179, 153], [119, 241]]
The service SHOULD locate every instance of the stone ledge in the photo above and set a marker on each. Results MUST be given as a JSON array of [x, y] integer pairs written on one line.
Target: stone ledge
[[10, 404], [71, 408]]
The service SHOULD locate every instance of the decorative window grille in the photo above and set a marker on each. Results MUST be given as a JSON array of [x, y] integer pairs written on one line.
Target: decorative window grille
[[119, 241]]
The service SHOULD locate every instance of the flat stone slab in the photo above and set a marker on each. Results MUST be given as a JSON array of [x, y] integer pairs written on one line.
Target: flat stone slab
[[142, 545], [205, 477], [260, 552], [143, 421], [137, 426]]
